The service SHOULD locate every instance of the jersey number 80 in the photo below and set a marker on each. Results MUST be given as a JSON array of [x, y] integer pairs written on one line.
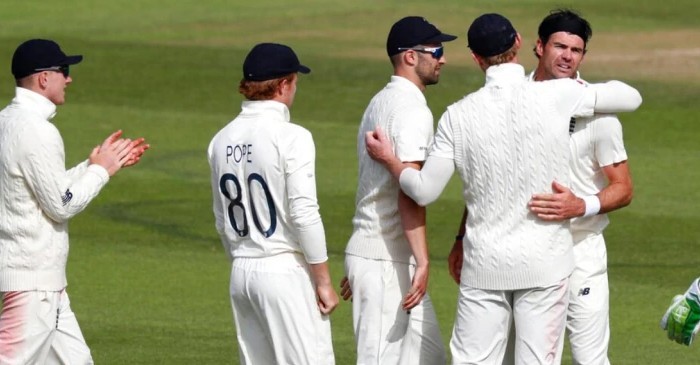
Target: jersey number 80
[[236, 201]]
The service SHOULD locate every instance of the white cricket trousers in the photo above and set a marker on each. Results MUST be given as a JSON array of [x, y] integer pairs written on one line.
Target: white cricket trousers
[[39, 327], [483, 324], [276, 313], [588, 317], [385, 333]]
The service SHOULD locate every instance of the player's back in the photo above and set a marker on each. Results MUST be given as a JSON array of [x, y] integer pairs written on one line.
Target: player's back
[[251, 159]]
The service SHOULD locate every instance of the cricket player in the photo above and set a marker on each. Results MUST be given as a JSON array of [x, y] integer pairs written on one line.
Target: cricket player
[[600, 183], [506, 140], [38, 197], [386, 260], [682, 318], [264, 190]]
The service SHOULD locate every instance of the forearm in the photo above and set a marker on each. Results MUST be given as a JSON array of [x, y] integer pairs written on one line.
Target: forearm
[[425, 186], [78, 170], [320, 274], [616, 96], [305, 216], [618, 193], [463, 224], [413, 223], [615, 196]]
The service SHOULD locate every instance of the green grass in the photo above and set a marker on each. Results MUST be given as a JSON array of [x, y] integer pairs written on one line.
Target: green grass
[[148, 277]]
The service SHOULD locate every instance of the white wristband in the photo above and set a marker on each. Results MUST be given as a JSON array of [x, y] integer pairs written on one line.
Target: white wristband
[[592, 205]]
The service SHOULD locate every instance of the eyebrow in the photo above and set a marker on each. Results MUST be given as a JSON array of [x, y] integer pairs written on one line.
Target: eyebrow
[[568, 46]]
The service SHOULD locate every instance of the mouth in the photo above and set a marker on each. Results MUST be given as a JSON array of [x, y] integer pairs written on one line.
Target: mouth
[[563, 67]]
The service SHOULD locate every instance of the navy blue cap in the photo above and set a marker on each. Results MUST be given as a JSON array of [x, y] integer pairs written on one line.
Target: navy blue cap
[[490, 35], [412, 31], [37, 54], [267, 61]]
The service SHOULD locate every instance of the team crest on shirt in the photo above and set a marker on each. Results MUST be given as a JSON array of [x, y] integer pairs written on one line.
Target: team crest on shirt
[[66, 197]]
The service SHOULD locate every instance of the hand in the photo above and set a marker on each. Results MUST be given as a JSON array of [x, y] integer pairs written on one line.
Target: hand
[[136, 150], [560, 205], [345, 289], [327, 298], [682, 318], [112, 153], [378, 146], [419, 286], [455, 261]]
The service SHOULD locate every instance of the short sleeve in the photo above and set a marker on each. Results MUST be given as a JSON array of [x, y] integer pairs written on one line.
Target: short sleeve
[[412, 133], [609, 144]]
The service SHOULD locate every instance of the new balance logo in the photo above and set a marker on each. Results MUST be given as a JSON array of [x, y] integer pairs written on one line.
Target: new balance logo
[[584, 291], [65, 198]]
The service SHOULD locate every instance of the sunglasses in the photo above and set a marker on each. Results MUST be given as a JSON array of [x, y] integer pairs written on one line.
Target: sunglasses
[[436, 52], [62, 69]]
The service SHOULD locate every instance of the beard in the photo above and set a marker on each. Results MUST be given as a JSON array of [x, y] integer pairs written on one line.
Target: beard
[[427, 74]]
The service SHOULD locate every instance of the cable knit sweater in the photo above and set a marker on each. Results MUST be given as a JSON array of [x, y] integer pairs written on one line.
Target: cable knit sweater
[[37, 195], [510, 139]]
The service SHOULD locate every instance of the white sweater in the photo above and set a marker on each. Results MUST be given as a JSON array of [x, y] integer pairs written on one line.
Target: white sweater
[[37, 195], [263, 179], [508, 140]]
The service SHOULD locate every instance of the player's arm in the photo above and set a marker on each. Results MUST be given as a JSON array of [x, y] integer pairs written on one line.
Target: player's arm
[[610, 153], [573, 98], [618, 193], [456, 257], [413, 223], [682, 318], [305, 216], [60, 195], [422, 186], [563, 204]]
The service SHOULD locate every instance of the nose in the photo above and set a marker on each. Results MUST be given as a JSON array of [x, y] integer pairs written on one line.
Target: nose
[[567, 54]]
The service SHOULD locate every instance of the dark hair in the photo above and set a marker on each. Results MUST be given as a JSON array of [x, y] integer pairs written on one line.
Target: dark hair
[[564, 20]]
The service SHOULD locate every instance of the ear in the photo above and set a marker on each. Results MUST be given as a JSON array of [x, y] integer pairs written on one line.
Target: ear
[[539, 48], [476, 58], [518, 41], [42, 79], [410, 57], [282, 87]]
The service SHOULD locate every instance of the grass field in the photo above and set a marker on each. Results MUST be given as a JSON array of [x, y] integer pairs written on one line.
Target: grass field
[[148, 276]]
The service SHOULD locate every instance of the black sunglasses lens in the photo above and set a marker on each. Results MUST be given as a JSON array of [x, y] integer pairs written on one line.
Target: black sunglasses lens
[[65, 70]]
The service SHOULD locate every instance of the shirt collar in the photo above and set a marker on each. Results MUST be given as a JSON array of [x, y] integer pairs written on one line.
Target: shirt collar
[[35, 101], [406, 84], [265, 106], [505, 73]]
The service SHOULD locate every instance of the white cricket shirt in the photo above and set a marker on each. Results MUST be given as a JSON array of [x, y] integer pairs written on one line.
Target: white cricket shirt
[[37, 195], [264, 185], [596, 142], [400, 109]]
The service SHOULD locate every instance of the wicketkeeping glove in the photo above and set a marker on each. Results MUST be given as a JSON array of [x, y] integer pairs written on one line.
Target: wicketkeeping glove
[[682, 318]]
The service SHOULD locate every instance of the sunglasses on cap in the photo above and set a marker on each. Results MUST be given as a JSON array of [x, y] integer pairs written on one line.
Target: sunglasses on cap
[[436, 52], [62, 69]]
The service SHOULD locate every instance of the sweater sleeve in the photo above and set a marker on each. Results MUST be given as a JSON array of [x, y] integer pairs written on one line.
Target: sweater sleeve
[[574, 98], [60, 194], [78, 170], [301, 195]]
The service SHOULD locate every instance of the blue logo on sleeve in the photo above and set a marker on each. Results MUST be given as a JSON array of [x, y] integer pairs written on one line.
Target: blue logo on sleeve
[[65, 198]]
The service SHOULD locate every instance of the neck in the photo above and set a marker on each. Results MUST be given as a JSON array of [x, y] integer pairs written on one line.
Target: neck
[[410, 76]]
